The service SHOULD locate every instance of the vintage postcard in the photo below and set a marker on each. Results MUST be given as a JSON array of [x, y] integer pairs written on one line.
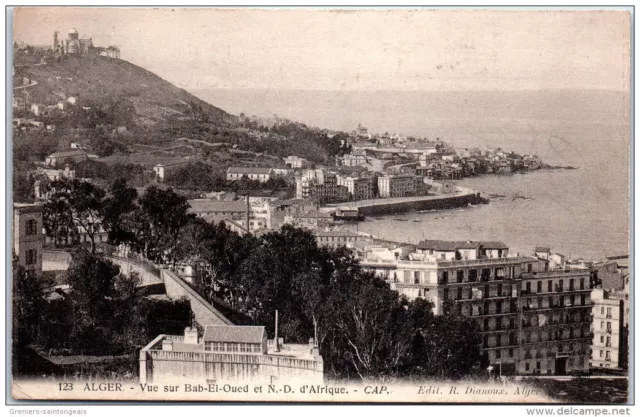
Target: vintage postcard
[[366, 205]]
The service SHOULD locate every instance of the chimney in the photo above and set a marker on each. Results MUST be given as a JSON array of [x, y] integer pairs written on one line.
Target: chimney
[[191, 336], [167, 344]]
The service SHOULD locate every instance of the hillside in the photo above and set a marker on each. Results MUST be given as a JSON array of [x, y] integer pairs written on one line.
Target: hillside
[[96, 79]]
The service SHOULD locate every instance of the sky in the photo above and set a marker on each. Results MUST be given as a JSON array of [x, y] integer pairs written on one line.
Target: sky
[[356, 50]]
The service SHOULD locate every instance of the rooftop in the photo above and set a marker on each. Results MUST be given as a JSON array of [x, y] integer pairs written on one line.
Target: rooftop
[[234, 334], [248, 170], [450, 246], [171, 164], [67, 153], [204, 205]]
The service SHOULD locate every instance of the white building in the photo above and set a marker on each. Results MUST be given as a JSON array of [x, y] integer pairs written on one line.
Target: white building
[[162, 171], [256, 174], [396, 185]]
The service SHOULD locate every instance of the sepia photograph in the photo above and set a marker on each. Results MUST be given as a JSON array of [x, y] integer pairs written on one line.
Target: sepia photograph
[[416, 205]]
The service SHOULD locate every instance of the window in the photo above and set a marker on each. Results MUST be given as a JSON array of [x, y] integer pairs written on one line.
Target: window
[[528, 287], [608, 312], [207, 347], [31, 257], [459, 276], [445, 276], [416, 277], [601, 353], [526, 365], [498, 354], [571, 284], [539, 286], [473, 275], [607, 355], [31, 227], [601, 310], [232, 347], [608, 327], [608, 342], [256, 348], [511, 353], [549, 286], [529, 268], [601, 339], [561, 286], [582, 283], [602, 324], [459, 295]]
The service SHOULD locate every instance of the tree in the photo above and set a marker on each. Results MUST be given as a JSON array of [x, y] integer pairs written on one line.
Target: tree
[[120, 202], [27, 306], [156, 225], [74, 204]]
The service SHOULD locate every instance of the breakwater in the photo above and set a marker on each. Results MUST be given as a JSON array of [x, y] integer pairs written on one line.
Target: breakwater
[[384, 206]]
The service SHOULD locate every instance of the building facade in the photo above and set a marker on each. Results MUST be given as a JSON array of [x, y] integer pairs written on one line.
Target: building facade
[[28, 238], [533, 320], [359, 188], [228, 354], [256, 174], [609, 345], [163, 171], [58, 158], [396, 185]]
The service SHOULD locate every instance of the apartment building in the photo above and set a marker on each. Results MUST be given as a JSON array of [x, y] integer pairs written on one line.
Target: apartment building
[[609, 346], [322, 187], [396, 185], [360, 188], [533, 320]]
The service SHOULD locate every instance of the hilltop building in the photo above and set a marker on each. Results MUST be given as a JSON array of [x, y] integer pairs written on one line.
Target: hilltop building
[[534, 320], [227, 354], [73, 45]]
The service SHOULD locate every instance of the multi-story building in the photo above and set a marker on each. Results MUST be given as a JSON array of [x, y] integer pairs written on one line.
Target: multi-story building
[[360, 188], [27, 236], [609, 346], [337, 238], [320, 186], [533, 320], [226, 354], [396, 185]]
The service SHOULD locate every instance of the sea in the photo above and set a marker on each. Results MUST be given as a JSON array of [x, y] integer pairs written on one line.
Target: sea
[[581, 213]]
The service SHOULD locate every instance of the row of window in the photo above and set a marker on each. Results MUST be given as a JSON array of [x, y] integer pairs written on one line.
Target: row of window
[[232, 347], [559, 287]]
